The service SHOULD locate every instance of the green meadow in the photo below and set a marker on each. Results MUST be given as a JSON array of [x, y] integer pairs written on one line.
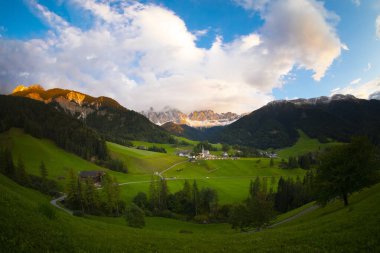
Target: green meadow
[[304, 145], [230, 178], [334, 228]]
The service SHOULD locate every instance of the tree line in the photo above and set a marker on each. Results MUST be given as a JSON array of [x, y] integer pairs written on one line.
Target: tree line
[[17, 172], [83, 197], [192, 202], [45, 121]]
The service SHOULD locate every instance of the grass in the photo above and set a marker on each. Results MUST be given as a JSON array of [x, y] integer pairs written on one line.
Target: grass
[[142, 161], [333, 228], [58, 161], [304, 145], [230, 178]]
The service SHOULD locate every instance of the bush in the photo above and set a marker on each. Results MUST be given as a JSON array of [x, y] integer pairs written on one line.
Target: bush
[[78, 213], [135, 216], [203, 219], [141, 200]]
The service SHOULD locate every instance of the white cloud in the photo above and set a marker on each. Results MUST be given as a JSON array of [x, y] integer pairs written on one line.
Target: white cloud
[[144, 55], [378, 27], [252, 4], [360, 90], [356, 2], [200, 33], [356, 81], [368, 68]]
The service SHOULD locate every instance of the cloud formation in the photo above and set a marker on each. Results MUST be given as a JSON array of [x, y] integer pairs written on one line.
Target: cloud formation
[[368, 90], [378, 27], [143, 55]]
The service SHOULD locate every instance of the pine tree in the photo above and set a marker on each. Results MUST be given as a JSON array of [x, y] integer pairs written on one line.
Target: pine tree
[[163, 205], [254, 187], [265, 185], [71, 189], [9, 167], [20, 175], [195, 198], [153, 194], [90, 201], [271, 163], [43, 171], [112, 195]]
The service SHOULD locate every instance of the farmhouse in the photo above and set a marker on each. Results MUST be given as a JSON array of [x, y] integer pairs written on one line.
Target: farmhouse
[[95, 175], [184, 153]]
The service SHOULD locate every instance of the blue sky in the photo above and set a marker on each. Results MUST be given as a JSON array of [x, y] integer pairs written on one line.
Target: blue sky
[[226, 55]]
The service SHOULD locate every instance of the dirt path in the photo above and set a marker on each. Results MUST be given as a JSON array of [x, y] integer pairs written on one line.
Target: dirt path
[[303, 212], [171, 167], [54, 203]]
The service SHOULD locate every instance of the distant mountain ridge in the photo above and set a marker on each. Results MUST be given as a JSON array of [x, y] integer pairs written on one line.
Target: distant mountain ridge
[[276, 124], [103, 114], [204, 118]]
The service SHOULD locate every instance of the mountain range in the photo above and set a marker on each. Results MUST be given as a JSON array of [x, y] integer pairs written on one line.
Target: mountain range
[[274, 125], [102, 114], [203, 118]]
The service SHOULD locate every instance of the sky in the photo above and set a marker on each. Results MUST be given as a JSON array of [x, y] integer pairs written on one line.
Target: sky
[[224, 55]]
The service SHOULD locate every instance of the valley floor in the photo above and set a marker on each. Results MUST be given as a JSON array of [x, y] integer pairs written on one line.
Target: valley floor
[[333, 228]]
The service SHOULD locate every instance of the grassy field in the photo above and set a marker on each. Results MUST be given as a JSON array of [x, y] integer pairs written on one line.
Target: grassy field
[[230, 178], [334, 228], [32, 151], [142, 161], [304, 145]]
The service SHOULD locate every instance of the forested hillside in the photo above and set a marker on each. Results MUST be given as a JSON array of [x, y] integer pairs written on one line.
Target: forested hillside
[[114, 122], [43, 120], [276, 125]]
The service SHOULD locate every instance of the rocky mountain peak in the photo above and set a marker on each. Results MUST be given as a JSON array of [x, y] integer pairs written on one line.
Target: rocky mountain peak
[[21, 87], [202, 118]]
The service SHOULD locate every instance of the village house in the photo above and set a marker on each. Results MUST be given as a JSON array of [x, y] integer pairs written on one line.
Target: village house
[[95, 175]]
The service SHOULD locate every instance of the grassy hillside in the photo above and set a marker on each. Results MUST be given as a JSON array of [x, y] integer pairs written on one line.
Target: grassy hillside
[[32, 151], [142, 161], [230, 178], [304, 145], [25, 228]]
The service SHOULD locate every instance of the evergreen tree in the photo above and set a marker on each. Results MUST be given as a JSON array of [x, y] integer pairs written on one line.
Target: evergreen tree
[[254, 187], [164, 192], [71, 190], [271, 162], [195, 198], [20, 174], [265, 185], [90, 197], [9, 167], [154, 194], [111, 190], [43, 170]]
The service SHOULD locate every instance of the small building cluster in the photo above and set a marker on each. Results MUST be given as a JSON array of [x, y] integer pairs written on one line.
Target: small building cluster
[[95, 175], [268, 154], [203, 155]]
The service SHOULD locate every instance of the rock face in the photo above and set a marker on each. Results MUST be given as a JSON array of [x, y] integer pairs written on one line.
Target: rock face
[[206, 118], [73, 102], [104, 114]]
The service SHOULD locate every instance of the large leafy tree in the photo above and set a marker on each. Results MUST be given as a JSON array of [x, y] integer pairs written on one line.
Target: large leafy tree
[[346, 169]]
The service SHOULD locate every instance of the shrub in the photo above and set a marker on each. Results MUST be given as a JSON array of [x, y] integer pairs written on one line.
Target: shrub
[[135, 217], [78, 213]]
